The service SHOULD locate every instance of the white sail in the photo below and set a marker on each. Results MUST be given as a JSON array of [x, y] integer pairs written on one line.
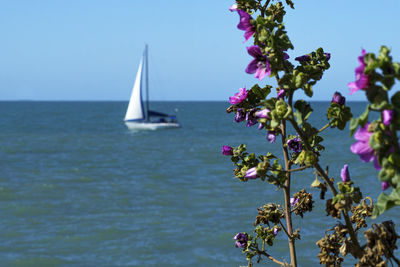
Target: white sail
[[135, 107]]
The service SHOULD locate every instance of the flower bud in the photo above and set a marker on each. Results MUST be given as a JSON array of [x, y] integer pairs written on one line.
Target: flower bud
[[281, 94], [294, 144], [328, 56], [251, 173], [281, 108], [311, 158], [344, 173], [385, 186], [302, 59], [271, 137], [263, 113], [387, 115], [293, 201], [275, 231], [240, 115], [241, 240], [233, 8], [338, 98], [227, 150]]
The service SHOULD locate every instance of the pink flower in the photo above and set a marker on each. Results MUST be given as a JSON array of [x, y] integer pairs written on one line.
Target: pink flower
[[362, 148], [281, 94], [385, 186], [233, 8], [227, 150], [245, 24], [344, 173], [387, 116], [259, 65], [362, 80], [251, 173], [293, 201], [238, 97], [263, 113], [338, 98]]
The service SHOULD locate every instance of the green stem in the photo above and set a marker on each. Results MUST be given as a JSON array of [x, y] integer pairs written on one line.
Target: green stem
[[323, 128]]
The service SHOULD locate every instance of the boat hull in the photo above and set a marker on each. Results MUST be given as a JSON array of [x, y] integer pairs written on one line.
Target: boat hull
[[132, 125]]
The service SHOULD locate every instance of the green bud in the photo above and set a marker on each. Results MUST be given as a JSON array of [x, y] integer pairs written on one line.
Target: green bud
[[311, 159], [301, 157], [281, 108], [300, 80], [316, 183]]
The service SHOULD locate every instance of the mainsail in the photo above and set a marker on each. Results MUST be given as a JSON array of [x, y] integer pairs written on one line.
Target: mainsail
[[135, 108]]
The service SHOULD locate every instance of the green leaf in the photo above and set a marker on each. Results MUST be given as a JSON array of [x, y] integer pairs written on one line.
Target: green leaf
[[363, 119], [354, 123], [386, 202], [396, 99]]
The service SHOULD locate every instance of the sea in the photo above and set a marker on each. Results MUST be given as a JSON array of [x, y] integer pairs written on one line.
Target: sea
[[78, 188]]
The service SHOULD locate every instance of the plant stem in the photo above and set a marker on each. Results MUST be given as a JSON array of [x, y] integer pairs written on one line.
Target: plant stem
[[284, 229], [323, 128], [271, 258], [286, 190], [323, 174]]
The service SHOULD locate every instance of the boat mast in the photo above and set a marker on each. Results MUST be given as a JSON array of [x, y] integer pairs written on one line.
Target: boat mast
[[147, 84]]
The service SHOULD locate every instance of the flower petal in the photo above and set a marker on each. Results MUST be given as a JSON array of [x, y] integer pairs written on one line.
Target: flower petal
[[252, 67], [255, 51]]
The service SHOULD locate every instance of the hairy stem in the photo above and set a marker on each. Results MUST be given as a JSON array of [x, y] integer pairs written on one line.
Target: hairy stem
[[286, 190], [323, 174]]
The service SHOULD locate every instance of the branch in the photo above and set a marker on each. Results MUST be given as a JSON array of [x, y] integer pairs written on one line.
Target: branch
[[271, 258], [284, 229], [349, 225], [323, 128]]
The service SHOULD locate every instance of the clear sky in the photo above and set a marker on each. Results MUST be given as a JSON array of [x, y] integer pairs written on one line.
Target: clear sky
[[90, 49]]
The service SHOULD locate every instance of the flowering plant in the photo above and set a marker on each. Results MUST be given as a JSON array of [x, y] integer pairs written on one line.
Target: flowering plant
[[376, 142]]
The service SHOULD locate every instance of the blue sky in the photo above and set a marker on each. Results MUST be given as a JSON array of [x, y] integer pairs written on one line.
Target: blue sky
[[90, 50]]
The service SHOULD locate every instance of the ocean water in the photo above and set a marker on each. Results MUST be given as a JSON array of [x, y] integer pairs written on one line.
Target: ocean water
[[77, 188]]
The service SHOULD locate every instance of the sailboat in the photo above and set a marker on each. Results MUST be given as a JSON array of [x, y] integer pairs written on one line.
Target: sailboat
[[138, 115]]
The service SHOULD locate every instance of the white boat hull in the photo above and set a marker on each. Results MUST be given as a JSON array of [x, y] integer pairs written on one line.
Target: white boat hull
[[133, 125]]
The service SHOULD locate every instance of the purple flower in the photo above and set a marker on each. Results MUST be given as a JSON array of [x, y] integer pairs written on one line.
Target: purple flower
[[240, 115], [245, 24], [293, 201], [294, 144], [259, 65], [275, 231], [241, 240], [238, 97], [285, 56], [344, 173], [362, 148], [233, 8], [328, 56], [250, 118], [338, 98], [385, 186], [304, 58], [271, 137], [263, 113], [387, 115], [227, 150], [281, 94], [362, 80], [260, 126], [251, 173]]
